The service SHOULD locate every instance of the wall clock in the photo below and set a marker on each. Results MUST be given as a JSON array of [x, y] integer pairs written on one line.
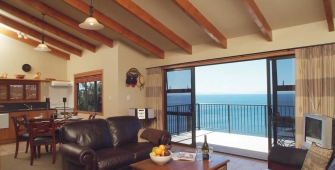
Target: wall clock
[[26, 67]]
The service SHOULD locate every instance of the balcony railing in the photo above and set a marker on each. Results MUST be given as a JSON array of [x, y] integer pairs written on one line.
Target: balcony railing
[[230, 118]]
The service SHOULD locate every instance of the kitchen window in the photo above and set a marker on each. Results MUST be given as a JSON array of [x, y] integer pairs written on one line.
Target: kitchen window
[[88, 91]]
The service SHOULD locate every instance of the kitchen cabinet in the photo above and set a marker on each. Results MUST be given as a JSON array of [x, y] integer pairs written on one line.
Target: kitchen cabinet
[[7, 135]]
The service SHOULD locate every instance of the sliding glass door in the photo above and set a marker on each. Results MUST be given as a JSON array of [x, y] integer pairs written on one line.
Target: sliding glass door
[[281, 101], [179, 102]]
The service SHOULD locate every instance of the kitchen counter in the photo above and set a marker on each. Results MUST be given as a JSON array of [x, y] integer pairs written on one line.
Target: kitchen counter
[[4, 111]]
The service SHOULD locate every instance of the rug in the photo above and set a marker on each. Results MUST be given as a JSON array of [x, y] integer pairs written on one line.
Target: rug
[[22, 162]]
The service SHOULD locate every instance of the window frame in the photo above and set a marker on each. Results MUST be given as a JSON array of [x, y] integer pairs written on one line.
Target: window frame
[[24, 83], [97, 73]]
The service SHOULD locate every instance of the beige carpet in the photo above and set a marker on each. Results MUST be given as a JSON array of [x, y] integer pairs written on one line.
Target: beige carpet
[[22, 162]]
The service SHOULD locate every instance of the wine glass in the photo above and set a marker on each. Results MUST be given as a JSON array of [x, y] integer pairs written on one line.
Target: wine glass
[[210, 152], [198, 151]]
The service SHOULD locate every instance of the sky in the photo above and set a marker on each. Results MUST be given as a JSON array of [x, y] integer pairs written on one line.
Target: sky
[[247, 77]]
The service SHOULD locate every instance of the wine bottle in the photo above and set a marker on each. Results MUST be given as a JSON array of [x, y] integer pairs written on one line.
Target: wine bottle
[[204, 148]]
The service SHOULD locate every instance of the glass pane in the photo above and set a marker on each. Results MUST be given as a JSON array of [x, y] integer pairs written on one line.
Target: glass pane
[[286, 103], [31, 92], [16, 91], [81, 96], [286, 71], [91, 96], [99, 103], [3, 91], [179, 79]]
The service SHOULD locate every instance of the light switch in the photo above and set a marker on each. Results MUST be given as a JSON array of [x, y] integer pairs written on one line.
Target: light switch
[[110, 97], [128, 97]]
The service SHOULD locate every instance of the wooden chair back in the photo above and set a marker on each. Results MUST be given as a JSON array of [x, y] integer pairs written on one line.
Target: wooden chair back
[[92, 116], [20, 124]]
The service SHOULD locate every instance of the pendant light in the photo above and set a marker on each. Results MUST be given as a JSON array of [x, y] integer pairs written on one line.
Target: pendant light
[[91, 23], [42, 46]]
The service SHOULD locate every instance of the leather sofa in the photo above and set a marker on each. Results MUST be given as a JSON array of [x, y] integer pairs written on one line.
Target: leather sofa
[[101, 144], [287, 158]]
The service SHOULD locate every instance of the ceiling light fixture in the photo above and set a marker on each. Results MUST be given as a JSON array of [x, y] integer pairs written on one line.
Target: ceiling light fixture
[[19, 35], [91, 23], [42, 46]]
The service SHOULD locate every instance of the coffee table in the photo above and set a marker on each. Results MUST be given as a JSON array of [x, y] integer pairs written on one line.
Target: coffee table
[[219, 163]]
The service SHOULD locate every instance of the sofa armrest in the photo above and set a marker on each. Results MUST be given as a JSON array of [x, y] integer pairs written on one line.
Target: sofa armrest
[[290, 157], [157, 136], [79, 155]]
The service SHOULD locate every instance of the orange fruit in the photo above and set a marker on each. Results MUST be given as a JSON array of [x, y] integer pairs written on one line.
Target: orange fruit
[[158, 151], [161, 147]]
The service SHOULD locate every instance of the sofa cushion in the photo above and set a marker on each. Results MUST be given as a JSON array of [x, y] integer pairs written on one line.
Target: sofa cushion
[[317, 158], [113, 158], [141, 151], [92, 133], [123, 129]]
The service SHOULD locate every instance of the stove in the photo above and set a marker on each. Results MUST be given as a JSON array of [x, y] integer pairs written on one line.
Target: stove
[[61, 109]]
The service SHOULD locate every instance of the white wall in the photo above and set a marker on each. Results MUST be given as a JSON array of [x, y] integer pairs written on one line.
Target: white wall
[[115, 63], [13, 54]]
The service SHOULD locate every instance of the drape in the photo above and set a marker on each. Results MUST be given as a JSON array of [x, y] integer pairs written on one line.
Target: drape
[[315, 83], [154, 95]]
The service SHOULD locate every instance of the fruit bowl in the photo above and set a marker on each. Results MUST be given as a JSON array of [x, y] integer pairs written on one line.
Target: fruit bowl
[[160, 160]]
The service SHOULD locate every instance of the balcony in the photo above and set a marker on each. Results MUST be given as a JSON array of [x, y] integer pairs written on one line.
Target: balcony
[[231, 128]]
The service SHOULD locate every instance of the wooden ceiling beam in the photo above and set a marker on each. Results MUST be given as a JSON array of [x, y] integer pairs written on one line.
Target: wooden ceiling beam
[[329, 14], [197, 17], [83, 7], [47, 27], [17, 26], [68, 21], [33, 43], [258, 17], [154, 23]]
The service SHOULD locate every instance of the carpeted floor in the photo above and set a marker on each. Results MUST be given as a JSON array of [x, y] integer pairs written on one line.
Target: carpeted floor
[[22, 162]]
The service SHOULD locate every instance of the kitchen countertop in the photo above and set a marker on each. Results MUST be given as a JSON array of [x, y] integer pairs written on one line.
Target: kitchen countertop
[[4, 111]]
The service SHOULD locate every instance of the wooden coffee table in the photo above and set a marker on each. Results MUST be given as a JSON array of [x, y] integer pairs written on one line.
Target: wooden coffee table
[[219, 163]]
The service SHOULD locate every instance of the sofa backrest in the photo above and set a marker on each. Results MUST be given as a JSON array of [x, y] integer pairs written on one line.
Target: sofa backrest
[[123, 129], [92, 133]]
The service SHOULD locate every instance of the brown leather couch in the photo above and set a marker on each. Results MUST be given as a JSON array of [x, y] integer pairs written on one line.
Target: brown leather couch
[[287, 158], [110, 143]]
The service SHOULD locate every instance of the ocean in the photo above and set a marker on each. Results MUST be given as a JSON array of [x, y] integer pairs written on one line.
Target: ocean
[[249, 99], [236, 113]]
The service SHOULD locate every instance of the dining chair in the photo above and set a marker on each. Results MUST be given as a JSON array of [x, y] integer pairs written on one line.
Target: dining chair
[[42, 132], [92, 116], [21, 131]]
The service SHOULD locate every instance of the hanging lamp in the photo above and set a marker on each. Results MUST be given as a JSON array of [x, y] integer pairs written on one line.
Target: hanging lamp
[[42, 46], [91, 23]]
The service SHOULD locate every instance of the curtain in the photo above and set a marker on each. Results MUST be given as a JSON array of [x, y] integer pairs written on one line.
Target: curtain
[[315, 81], [154, 97]]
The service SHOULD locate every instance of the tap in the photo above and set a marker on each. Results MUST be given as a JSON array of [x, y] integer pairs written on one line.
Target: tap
[[29, 106]]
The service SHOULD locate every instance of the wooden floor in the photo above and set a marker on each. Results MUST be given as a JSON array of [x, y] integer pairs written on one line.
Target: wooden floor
[[236, 144], [236, 162]]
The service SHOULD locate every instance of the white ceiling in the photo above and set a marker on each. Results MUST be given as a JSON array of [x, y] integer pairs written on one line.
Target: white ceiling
[[230, 18]]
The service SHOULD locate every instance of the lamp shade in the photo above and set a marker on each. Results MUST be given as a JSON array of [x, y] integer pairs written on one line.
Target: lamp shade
[[91, 24], [42, 47]]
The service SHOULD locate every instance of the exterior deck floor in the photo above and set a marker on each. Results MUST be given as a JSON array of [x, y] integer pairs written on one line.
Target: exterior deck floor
[[237, 144]]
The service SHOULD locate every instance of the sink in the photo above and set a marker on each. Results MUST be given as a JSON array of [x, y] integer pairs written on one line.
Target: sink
[[34, 109]]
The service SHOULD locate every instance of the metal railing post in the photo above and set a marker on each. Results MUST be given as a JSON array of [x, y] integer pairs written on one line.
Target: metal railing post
[[198, 116], [228, 118], [178, 120], [265, 120]]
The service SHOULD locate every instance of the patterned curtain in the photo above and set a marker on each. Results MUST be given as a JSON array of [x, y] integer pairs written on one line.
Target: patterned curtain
[[315, 83], [154, 95]]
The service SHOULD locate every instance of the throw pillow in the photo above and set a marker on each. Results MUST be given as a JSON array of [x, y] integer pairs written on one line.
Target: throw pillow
[[317, 158], [139, 136]]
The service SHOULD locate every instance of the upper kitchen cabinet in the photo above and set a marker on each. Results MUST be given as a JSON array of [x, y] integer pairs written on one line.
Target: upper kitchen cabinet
[[16, 91]]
